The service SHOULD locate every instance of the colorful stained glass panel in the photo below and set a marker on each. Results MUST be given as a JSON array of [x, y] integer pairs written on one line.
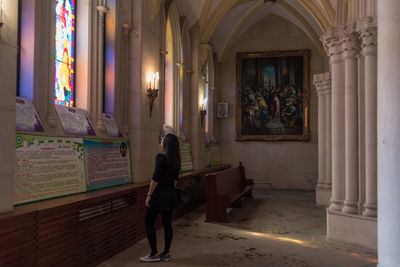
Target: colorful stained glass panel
[[65, 53]]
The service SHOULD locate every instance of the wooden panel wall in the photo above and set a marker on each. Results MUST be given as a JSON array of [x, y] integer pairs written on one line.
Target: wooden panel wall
[[85, 231]]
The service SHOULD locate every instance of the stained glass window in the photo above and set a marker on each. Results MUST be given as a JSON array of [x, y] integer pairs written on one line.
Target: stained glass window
[[65, 53]]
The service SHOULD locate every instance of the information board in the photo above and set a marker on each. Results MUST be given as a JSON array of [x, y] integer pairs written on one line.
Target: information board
[[107, 163], [111, 125], [47, 167], [26, 116], [74, 120], [186, 157]]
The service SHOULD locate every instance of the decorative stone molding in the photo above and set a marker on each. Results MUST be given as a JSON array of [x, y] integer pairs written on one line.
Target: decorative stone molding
[[102, 10], [154, 8], [52, 118], [333, 44], [368, 31], [126, 30], [322, 83], [350, 41]]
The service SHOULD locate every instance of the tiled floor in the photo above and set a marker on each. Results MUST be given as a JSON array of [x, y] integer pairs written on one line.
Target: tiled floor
[[276, 228]]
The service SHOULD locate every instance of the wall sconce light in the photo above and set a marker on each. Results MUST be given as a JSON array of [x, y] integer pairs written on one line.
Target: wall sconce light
[[203, 109], [152, 93]]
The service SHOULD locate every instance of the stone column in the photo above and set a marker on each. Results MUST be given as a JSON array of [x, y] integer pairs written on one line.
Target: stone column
[[351, 48], [101, 10], [124, 93], [328, 132], [321, 134], [45, 15], [368, 34], [319, 84], [197, 132], [333, 44], [322, 83], [388, 132], [361, 132]]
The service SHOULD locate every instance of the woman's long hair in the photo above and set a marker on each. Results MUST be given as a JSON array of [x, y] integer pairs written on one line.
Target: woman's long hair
[[172, 151]]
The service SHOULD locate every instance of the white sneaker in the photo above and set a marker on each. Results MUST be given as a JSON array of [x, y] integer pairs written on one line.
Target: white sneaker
[[165, 257], [149, 258]]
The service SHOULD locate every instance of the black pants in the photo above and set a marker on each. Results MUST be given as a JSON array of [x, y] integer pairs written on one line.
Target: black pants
[[151, 216]]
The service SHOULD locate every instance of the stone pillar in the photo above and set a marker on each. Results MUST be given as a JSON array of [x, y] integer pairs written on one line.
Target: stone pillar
[[321, 133], [322, 83], [197, 132], [45, 15], [124, 93], [368, 36], [328, 132], [388, 133], [102, 11], [361, 132], [333, 44], [351, 48]]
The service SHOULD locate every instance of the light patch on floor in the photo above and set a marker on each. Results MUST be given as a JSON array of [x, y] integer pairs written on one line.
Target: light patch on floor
[[276, 228]]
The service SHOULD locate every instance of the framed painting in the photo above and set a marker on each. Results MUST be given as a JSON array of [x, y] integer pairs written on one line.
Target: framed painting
[[272, 96]]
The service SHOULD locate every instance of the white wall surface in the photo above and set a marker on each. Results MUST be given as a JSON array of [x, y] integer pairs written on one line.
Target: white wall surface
[[285, 165]]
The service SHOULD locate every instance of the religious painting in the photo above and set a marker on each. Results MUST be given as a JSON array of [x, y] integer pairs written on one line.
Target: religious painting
[[272, 96]]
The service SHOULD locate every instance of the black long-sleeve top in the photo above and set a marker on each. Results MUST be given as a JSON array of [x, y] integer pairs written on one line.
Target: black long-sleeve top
[[164, 196]]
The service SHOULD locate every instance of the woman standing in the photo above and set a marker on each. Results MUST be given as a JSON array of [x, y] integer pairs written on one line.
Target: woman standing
[[162, 196]]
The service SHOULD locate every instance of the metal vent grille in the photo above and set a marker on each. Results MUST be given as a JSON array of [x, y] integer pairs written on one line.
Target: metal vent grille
[[104, 207]]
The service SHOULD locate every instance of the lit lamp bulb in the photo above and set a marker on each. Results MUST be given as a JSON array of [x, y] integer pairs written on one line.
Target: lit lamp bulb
[[148, 81], [152, 93], [203, 111], [203, 103], [154, 78], [158, 78]]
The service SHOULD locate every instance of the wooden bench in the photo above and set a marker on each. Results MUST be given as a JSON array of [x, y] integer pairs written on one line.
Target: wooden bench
[[225, 189]]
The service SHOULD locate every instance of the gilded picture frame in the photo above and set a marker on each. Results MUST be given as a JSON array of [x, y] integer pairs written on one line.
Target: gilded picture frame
[[272, 96]]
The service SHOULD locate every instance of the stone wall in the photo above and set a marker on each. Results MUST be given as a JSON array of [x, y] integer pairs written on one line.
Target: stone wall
[[8, 78], [284, 165]]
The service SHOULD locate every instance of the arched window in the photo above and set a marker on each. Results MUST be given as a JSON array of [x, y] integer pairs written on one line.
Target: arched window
[[173, 73], [169, 76], [26, 40], [64, 84]]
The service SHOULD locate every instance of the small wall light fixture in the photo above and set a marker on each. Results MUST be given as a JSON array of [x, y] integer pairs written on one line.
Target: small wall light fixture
[[152, 92], [203, 109]]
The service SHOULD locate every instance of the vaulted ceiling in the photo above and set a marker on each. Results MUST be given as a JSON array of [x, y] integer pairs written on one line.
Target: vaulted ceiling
[[222, 22]]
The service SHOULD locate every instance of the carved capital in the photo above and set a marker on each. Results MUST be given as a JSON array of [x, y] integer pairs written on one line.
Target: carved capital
[[368, 31], [102, 10], [350, 41], [332, 43], [126, 29], [322, 83]]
